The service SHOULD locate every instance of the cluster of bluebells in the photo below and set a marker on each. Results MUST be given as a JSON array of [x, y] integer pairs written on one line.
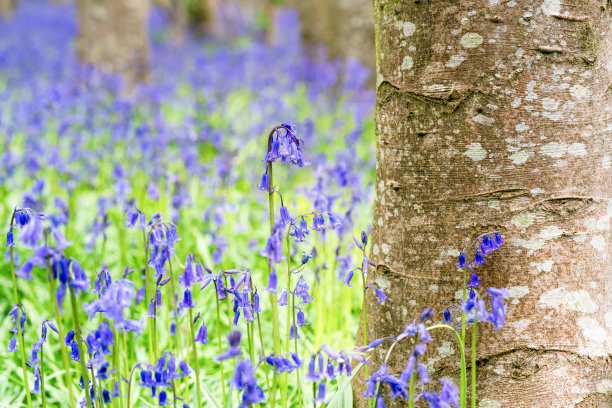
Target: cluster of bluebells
[[475, 306], [18, 317], [398, 385], [159, 377]]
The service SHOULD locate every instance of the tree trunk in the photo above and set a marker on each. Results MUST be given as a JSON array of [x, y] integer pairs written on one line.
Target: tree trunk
[[203, 17], [113, 36], [7, 8], [345, 27], [497, 115]]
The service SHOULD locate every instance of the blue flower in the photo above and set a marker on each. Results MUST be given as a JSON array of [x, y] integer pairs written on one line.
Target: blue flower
[[234, 350], [320, 397], [379, 293], [188, 300]]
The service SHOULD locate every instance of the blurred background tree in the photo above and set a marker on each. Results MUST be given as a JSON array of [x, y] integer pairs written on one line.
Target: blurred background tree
[[113, 36]]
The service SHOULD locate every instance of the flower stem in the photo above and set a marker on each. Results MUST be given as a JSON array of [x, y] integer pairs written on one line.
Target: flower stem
[[365, 318], [473, 364], [145, 238], [463, 383], [273, 303], [295, 345], [117, 362], [41, 372], [75, 316], [411, 384], [219, 341], [19, 332], [60, 328], [196, 365]]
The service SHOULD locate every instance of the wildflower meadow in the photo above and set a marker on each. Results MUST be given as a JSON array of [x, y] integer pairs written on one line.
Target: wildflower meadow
[[202, 239]]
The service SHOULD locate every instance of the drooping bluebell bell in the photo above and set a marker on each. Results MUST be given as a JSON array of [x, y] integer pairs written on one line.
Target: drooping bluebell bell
[[374, 379], [234, 349], [244, 380], [379, 293], [302, 291], [447, 316], [498, 309], [274, 246], [320, 398]]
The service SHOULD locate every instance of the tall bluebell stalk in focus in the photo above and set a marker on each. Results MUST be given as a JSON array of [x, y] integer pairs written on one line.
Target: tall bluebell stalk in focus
[[23, 218], [285, 147], [473, 305]]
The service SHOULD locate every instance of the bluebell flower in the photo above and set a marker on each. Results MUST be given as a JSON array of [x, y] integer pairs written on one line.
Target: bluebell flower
[[348, 277], [449, 393], [374, 379], [10, 241], [201, 337], [272, 282], [244, 380], [264, 184], [188, 300], [313, 375], [320, 397], [302, 291], [379, 293], [427, 314], [106, 396], [498, 309], [274, 246], [234, 350], [282, 299], [447, 316], [424, 376], [301, 320]]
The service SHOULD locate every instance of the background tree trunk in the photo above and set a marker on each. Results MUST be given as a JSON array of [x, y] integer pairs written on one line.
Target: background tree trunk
[[345, 27], [203, 17], [7, 8], [496, 115], [113, 36]]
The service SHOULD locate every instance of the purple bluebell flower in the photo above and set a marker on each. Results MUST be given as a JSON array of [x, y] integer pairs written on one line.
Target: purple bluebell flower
[[244, 380], [373, 381], [201, 337], [427, 314], [272, 282], [379, 293], [188, 300], [474, 282], [234, 350], [10, 240], [264, 184], [320, 397], [447, 316]]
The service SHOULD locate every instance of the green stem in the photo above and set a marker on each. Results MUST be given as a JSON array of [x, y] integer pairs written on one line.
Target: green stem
[[473, 362], [411, 384], [60, 328], [295, 345], [75, 316], [42, 378], [129, 390], [365, 319], [463, 384], [219, 341], [117, 362], [196, 365], [273, 302], [263, 351], [19, 332], [148, 295]]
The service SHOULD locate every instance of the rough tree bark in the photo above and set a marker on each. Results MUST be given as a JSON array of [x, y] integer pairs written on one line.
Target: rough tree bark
[[346, 27], [497, 115], [113, 36]]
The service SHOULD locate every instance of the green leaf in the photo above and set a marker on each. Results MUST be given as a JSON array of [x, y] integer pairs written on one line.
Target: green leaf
[[209, 396], [343, 397]]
